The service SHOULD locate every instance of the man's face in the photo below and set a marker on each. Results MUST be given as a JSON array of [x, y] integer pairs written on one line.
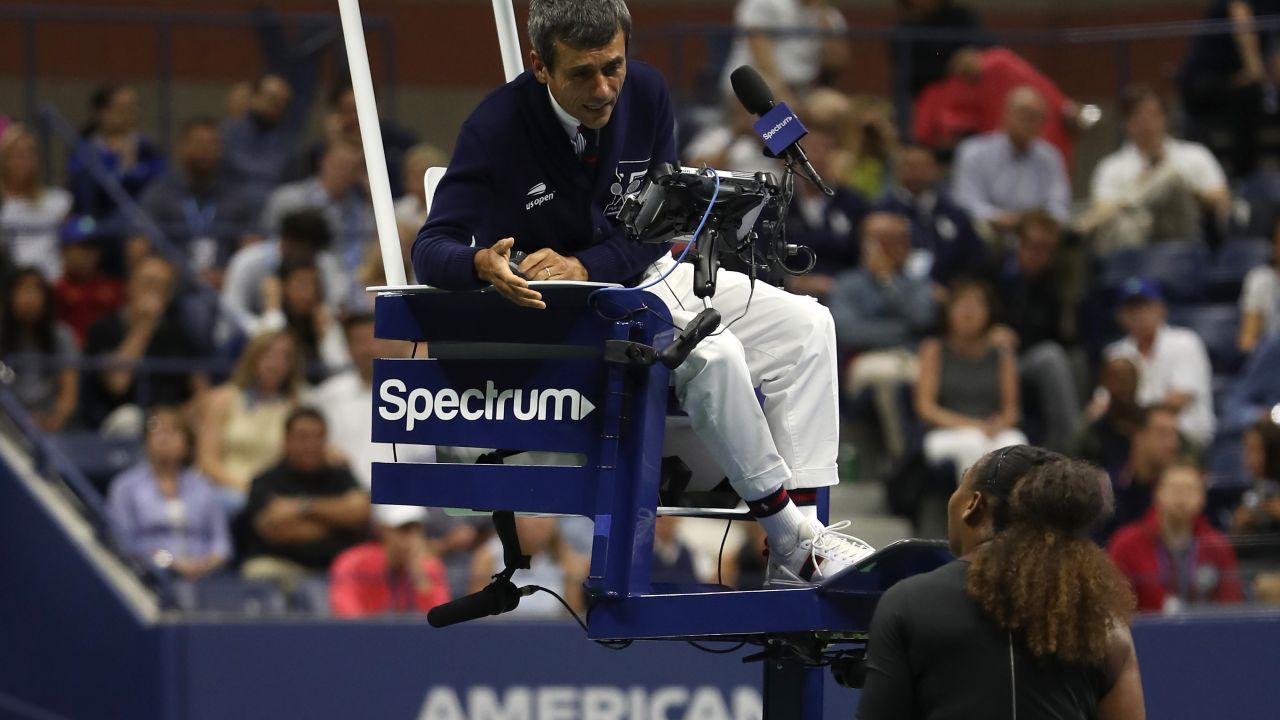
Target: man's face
[[304, 445], [1025, 116], [1180, 495], [1036, 248], [340, 169], [201, 150], [892, 234], [586, 83], [1120, 378], [1146, 126], [363, 347], [1158, 440], [152, 276], [345, 109], [272, 98], [1141, 318], [917, 169]]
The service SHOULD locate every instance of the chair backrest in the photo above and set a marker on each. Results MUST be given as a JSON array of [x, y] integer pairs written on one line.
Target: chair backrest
[[429, 183]]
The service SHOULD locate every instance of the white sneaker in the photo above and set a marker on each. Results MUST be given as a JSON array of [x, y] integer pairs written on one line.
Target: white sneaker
[[822, 551]]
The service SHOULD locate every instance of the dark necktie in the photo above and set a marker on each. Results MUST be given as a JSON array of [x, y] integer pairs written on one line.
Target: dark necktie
[[590, 144]]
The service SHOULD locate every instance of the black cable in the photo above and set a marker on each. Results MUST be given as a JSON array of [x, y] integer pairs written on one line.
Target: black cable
[[714, 651], [720, 556], [556, 595]]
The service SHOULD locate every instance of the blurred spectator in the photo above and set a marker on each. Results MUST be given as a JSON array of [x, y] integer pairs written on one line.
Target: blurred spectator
[[342, 125], [84, 295], [1153, 447], [1001, 175], [745, 569], [1255, 392], [880, 315], [257, 145], [1172, 556], [971, 100], [929, 59], [871, 141], [1255, 526], [199, 211], [1260, 299], [346, 400], [411, 208], [30, 212], [396, 573], [112, 140], [304, 512], [294, 302], [239, 98], [1155, 187], [242, 431], [337, 193], [303, 239], [41, 351], [1172, 362], [942, 235], [732, 145], [455, 540], [144, 330], [1224, 80], [1114, 416], [968, 388], [168, 515], [554, 566], [672, 558], [828, 225], [794, 44], [1030, 292]]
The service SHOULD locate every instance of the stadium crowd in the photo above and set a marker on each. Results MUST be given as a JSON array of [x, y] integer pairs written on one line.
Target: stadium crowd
[[210, 309]]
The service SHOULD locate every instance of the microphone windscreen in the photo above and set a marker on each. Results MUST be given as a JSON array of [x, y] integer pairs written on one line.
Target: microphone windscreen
[[468, 607], [751, 90]]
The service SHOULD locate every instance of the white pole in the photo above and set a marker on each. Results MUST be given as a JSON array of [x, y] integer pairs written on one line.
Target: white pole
[[371, 137], [504, 16]]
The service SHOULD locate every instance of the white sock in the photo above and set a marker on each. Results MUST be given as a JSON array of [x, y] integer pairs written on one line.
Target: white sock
[[783, 528], [809, 511]]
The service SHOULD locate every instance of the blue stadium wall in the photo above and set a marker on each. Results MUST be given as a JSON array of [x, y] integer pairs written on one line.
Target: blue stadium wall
[[70, 648]]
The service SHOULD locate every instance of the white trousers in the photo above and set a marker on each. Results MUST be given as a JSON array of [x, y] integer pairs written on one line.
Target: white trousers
[[966, 446], [786, 346]]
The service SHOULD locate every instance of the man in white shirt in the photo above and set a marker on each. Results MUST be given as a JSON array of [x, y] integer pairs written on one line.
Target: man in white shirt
[[1173, 365], [784, 40], [1001, 175], [346, 400], [1155, 187]]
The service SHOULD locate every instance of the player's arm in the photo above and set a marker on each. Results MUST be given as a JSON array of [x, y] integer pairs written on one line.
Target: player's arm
[[1124, 700]]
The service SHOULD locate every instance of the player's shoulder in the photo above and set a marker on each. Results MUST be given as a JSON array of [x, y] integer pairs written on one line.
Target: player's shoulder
[[932, 586]]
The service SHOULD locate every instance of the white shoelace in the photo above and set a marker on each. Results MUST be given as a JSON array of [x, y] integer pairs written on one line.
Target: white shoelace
[[833, 544]]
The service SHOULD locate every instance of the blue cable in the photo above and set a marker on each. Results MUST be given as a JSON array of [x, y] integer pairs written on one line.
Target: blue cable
[[692, 242]]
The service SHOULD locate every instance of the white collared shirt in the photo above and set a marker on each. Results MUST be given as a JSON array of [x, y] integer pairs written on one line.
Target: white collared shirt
[[569, 122], [1178, 363], [1117, 177]]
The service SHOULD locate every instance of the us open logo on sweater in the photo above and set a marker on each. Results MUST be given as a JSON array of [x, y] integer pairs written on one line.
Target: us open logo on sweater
[[398, 403], [540, 195]]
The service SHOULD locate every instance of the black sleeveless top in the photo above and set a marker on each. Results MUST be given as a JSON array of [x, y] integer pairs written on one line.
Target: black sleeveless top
[[934, 655]]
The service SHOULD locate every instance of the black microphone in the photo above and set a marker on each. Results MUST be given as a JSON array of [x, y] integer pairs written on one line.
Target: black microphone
[[754, 94], [497, 597]]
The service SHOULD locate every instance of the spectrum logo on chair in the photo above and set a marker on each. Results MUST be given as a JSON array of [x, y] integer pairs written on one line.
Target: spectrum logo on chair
[[398, 403]]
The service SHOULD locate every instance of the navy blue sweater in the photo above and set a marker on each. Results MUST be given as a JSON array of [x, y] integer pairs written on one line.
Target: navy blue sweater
[[514, 174]]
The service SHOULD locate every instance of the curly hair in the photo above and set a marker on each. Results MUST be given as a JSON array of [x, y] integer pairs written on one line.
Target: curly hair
[[1040, 576]]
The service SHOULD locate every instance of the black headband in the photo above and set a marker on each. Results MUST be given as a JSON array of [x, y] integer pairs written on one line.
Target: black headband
[[999, 478]]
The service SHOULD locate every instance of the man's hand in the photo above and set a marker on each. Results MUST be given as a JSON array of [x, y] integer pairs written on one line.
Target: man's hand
[[147, 309], [1005, 337], [547, 264], [491, 267], [272, 291]]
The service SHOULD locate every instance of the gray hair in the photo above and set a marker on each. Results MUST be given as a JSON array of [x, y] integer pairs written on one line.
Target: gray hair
[[580, 24]]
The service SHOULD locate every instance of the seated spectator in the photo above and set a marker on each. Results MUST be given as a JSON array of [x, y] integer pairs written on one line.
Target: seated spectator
[[1260, 300], [1173, 557], [1255, 392], [1029, 289], [828, 225], [731, 145], [942, 236], [346, 399], [294, 302], [1153, 447], [146, 329], [112, 141], [84, 294], [970, 101], [199, 211], [1001, 175], [168, 515], [258, 145], [411, 208], [31, 213], [871, 142], [745, 569], [929, 59], [1155, 187], [880, 315], [242, 431], [1114, 416], [396, 573], [335, 191], [304, 239], [794, 44], [239, 98], [455, 540], [672, 558], [342, 125], [968, 388], [1255, 526], [302, 513], [41, 351], [1224, 80], [554, 566], [1173, 365]]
